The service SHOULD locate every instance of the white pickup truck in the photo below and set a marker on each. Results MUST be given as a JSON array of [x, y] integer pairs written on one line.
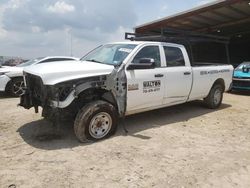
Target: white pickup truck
[[119, 79]]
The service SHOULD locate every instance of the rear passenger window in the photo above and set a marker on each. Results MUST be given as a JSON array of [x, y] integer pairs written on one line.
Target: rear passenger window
[[174, 57], [64, 59], [152, 52], [56, 59], [49, 60]]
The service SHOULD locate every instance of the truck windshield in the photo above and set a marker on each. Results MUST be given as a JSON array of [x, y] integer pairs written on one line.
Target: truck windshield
[[111, 54]]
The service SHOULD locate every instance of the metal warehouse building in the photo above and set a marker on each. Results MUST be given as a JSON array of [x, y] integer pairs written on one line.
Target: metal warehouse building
[[225, 18]]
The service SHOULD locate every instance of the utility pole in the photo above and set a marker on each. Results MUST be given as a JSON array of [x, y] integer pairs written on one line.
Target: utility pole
[[71, 51], [69, 42]]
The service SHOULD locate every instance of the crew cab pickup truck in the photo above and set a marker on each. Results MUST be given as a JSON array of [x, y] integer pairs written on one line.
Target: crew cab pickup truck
[[119, 79]]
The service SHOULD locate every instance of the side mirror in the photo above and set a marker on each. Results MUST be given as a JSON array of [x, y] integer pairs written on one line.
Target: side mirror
[[144, 63]]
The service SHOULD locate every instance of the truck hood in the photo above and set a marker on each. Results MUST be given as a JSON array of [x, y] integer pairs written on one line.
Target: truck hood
[[57, 72]]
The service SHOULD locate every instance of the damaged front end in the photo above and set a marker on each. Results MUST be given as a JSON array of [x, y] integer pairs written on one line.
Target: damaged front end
[[67, 98], [35, 92]]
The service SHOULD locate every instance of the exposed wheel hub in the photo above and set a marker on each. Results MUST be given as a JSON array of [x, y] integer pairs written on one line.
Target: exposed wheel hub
[[100, 125]]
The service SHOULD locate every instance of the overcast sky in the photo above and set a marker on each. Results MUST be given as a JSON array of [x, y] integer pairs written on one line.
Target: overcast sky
[[35, 28]]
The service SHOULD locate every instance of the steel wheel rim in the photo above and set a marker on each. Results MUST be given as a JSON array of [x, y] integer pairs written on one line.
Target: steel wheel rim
[[217, 96], [100, 125], [18, 88]]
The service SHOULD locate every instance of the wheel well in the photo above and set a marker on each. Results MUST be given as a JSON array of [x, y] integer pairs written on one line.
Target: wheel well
[[221, 82], [7, 87], [88, 96], [92, 94]]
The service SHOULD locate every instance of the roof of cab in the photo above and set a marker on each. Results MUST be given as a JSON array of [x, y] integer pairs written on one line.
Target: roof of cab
[[147, 42]]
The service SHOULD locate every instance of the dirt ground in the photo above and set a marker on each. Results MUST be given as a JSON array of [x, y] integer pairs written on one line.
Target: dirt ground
[[181, 146]]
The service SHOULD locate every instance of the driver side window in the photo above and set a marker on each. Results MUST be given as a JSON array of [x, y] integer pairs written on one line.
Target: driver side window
[[152, 52]]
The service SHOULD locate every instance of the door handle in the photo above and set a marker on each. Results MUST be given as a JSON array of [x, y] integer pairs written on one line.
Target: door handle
[[187, 73], [159, 75]]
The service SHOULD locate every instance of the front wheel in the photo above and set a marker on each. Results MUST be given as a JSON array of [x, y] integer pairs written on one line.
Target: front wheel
[[96, 121], [16, 87], [215, 96]]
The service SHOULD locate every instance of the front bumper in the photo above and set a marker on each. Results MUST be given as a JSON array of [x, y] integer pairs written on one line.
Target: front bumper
[[35, 93], [3, 82], [242, 84]]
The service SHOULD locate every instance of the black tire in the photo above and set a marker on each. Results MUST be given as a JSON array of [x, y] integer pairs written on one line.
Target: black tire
[[215, 96], [16, 87], [87, 120]]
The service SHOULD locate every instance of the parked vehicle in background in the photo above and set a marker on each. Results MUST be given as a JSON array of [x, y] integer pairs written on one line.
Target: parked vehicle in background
[[13, 62], [241, 77], [11, 78], [120, 79]]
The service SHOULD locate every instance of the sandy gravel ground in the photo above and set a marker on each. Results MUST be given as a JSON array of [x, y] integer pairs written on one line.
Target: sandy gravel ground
[[182, 146]]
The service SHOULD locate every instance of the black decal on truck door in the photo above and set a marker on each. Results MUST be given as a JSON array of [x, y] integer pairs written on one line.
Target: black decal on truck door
[[151, 86]]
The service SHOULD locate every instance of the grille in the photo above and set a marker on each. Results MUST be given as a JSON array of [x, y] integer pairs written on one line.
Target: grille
[[36, 88], [238, 83]]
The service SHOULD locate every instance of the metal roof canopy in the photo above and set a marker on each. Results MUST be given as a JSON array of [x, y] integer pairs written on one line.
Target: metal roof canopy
[[229, 18]]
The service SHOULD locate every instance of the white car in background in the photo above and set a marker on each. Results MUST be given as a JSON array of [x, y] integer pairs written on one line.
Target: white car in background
[[11, 78]]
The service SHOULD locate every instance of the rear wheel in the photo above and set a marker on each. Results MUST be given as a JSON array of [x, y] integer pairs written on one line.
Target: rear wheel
[[95, 121], [215, 96]]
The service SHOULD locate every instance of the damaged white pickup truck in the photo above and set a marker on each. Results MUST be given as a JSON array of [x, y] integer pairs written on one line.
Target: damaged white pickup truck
[[119, 79]]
